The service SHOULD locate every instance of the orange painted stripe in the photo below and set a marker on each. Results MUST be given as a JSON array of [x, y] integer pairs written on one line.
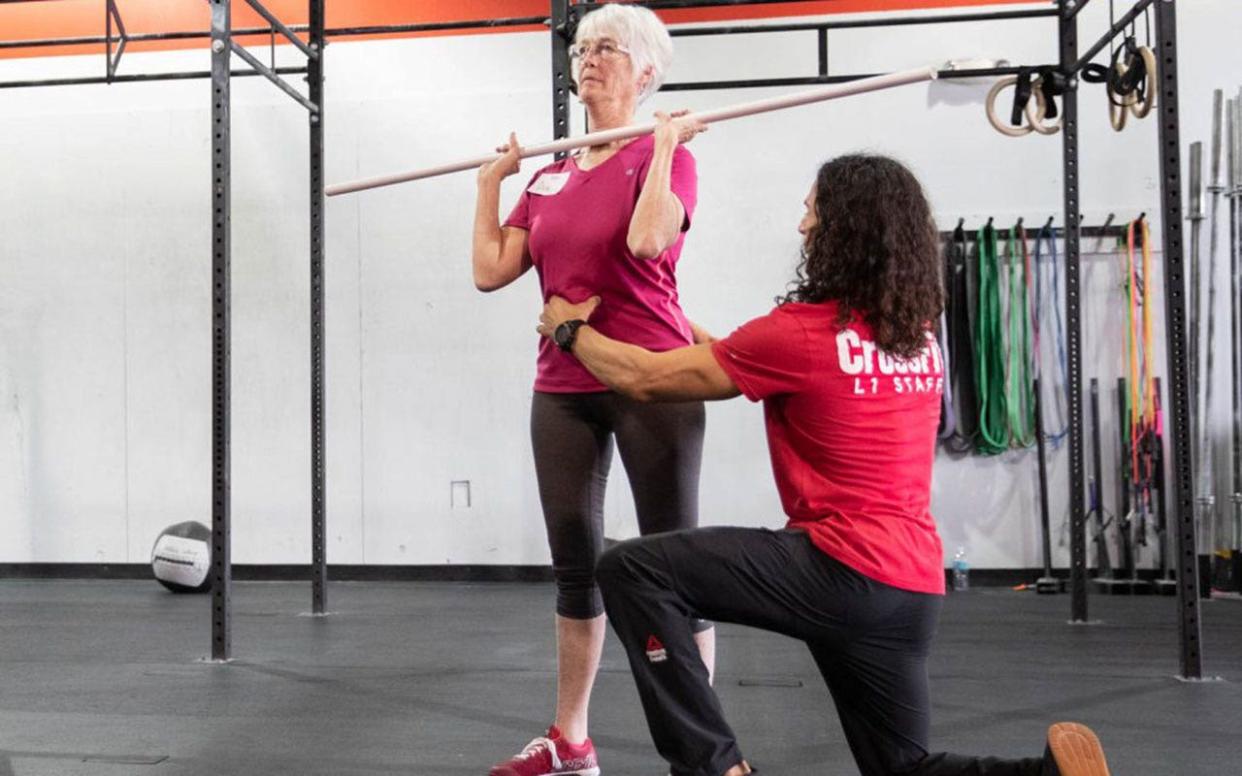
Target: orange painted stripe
[[83, 18], [823, 8]]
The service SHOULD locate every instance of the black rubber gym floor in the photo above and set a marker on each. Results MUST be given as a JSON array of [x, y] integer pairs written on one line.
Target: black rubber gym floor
[[445, 678]]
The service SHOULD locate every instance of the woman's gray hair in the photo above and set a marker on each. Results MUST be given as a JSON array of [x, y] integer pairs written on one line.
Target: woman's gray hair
[[639, 30]]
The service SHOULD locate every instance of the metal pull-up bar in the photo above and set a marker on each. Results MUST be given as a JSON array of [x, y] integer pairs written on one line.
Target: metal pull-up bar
[[835, 91]]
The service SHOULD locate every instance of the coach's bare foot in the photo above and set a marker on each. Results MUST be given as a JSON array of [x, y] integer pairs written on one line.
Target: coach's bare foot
[[741, 769]]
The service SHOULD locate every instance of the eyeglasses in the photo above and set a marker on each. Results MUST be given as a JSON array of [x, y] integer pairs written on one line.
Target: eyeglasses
[[603, 49]]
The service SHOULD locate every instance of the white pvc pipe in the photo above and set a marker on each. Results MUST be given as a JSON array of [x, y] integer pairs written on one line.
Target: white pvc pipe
[[871, 84]]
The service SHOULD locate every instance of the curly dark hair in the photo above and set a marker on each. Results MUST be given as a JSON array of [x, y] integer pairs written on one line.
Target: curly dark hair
[[875, 251]]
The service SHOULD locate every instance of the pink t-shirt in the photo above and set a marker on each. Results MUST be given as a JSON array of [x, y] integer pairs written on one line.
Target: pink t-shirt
[[578, 221], [852, 434]]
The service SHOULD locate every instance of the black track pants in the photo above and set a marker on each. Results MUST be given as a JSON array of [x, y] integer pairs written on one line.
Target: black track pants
[[869, 640]]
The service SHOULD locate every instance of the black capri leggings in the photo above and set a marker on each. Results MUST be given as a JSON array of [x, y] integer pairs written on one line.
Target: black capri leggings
[[572, 435]]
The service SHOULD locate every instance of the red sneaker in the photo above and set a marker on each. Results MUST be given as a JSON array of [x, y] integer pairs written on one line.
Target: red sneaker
[[550, 755]]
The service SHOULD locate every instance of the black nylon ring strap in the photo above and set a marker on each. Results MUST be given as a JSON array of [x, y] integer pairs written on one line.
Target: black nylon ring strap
[[1052, 84], [1095, 73], [1021, 96], [1126, 75]]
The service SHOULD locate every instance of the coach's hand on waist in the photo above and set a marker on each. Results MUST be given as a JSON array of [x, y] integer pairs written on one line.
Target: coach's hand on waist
[[558, 310]]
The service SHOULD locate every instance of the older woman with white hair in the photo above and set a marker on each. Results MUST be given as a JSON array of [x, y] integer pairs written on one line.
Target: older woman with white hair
[[608, 222]]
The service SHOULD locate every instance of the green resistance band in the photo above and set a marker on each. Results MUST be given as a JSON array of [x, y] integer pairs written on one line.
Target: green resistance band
[[1019, 385], [989, 360]]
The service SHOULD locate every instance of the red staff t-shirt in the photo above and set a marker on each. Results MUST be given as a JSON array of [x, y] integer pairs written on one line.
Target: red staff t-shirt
[[578, 221], [852, 435]]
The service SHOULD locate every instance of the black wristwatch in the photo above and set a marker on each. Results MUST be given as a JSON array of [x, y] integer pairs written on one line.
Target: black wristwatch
[[566, 333]]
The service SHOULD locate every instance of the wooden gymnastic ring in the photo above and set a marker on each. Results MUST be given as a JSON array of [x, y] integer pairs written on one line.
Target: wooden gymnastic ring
[[1117, 115], [997, 124], [1040, 106], [1141, 108]]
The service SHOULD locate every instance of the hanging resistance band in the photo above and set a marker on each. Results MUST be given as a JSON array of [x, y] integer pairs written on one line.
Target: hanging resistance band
[[1046, 246], [1019, 388], [959, 339], [990, 358]]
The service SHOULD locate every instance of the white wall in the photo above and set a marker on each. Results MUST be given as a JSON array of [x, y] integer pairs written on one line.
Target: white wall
[[105, 306]]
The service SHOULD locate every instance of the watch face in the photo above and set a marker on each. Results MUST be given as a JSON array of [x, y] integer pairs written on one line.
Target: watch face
[[563, 335]]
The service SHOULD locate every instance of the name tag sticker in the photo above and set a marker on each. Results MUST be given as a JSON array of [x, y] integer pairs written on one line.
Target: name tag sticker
[[550, 183]]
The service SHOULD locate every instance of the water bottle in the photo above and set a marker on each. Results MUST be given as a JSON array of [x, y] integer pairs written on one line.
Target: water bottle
[[961, 570]]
